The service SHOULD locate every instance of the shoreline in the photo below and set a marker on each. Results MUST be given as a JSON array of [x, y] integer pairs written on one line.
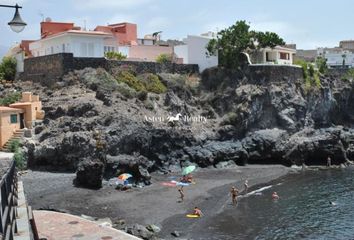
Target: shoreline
[[155, 204]]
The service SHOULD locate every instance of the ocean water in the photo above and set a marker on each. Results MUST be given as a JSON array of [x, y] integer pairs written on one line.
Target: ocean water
[[303, 211]]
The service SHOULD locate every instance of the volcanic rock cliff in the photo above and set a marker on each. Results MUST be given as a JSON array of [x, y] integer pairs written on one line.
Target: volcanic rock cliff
[[235, 119]]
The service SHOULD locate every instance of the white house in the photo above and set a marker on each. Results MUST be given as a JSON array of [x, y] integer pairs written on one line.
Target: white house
[[337, 57], [194, 51], [80, 43], [277, 55]]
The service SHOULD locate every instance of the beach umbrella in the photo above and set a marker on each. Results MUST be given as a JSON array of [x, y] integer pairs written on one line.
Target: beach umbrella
[[124, 176], [188, 170]]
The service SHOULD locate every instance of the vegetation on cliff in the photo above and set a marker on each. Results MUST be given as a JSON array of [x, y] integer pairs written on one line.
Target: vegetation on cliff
[[8, 69], [232, 41]]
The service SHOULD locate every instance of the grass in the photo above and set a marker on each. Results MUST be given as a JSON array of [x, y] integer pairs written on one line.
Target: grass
[[19, 157]]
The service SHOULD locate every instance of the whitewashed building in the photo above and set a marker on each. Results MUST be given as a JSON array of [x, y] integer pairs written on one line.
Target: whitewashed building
[[194, 51], [337, 57], [277, 55], [80, 43]]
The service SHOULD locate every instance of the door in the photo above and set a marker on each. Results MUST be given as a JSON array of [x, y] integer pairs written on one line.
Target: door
[[22, 125]]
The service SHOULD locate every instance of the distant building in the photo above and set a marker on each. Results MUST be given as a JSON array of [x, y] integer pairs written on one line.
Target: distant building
[[306, 55], [80, 43], [347, 44], [337, 57], [194, 51], [277, 55], [57, 37]]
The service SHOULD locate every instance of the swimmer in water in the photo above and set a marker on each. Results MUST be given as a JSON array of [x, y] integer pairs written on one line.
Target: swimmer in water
[[275, 196]]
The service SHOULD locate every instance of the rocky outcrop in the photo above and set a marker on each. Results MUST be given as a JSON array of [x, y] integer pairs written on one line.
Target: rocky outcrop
[[248, 121], [90, 173]]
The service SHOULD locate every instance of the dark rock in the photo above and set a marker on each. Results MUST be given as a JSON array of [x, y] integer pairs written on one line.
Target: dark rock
[[175, 234], [90, 173], [104, 97], [38, 129], [153, 228], [79, 109], [140, 231]]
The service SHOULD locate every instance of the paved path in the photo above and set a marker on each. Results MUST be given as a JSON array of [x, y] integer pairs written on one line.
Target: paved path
[[61, 226]]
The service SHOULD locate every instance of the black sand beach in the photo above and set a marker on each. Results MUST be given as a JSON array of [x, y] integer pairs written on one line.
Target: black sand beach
[[155, 204]]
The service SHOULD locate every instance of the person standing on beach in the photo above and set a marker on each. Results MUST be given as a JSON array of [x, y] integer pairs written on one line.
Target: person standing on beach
[[329, 161], [245, 186], [234, 192], [181, 192]]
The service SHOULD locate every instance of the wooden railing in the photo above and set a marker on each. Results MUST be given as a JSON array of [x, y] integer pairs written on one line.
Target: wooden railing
[[8, 201]]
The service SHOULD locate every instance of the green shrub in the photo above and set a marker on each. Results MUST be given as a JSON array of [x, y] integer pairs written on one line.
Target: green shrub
[[152, 83], [310, 74], [126, 91], [115, 56], [19, 159], [8, 68], [10, 98], [321, 64], [229, 119], [131, 80], [164, 58], [14, 145], [349, 75]]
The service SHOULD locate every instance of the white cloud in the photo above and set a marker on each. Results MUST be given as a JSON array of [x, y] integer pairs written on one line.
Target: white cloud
[[108, 4]]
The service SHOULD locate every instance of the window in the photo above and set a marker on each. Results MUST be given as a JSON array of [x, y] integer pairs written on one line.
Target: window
[[51, 50], [63, 48], [284, 56], [13, 118]]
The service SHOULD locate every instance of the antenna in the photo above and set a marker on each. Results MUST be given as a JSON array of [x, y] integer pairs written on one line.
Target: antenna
[[42, 15]]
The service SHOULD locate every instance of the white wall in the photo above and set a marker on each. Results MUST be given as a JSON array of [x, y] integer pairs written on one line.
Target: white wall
[[182, 52], [195, 52], [80, 46], [336, 59]]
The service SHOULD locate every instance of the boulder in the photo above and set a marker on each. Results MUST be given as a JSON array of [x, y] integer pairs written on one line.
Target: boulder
[[141, 232], [90, 173]]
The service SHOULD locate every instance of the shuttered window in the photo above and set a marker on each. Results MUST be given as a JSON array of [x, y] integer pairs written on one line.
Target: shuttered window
[[13, 118]]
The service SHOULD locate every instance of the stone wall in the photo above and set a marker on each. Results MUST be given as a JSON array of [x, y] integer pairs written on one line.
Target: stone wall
[[338, 72], [49, 69], [213, 78], [273, 73]]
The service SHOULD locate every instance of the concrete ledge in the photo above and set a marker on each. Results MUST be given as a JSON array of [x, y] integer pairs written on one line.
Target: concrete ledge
[[62, 226], [22, 220]]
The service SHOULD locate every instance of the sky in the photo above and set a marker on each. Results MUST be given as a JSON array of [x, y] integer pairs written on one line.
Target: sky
[[308, 23]]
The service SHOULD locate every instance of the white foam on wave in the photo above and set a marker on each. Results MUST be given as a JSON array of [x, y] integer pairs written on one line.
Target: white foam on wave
[[258, 191]]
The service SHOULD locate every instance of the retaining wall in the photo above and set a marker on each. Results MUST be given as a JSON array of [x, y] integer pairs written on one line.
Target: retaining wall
[[49, 69]]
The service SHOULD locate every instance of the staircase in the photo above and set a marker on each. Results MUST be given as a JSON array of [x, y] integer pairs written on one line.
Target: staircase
[[17, 136]]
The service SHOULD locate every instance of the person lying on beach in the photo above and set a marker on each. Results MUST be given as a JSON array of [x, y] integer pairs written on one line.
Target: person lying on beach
[[246, 186], [198, 212], [275, 196], [187, 179], [181, 192], [234, 192]]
